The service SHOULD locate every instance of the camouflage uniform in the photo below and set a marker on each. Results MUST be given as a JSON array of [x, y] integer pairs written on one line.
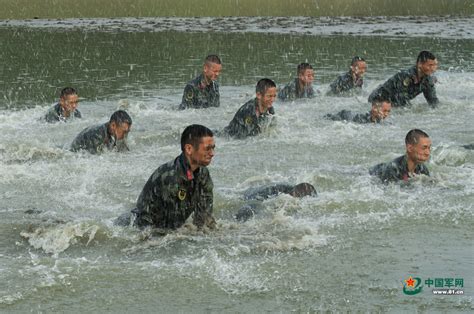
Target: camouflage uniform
[[254, 196], [345, 84], [247, 123], [401, 88], [95, 138], [292, 91], [199, 95], [172, 194], [396, 170], [347, 115], [267, 191], [55, 114]]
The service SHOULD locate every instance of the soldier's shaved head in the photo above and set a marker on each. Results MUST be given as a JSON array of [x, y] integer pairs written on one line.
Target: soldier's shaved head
[[120, 116], [303, 189], [212, 59], [193, 134], [303, 67], [413, 136], [425, 56], [67, 91], [263, 85]]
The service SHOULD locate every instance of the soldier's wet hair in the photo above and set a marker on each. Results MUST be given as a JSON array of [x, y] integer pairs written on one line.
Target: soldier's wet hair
[[303, 189], [303, 67], [193, 134], [356, 59], [212, 59], [425, 56], [263, 85], [67, 91], [120, 117], [413, 136], [380, 99]]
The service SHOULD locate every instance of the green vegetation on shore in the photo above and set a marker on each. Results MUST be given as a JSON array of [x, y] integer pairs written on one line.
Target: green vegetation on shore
[[27, 9]]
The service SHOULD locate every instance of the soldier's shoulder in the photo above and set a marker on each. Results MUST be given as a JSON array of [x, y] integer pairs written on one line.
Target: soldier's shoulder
[[345, 77], [52, 114], [247, 107], [165, 171], [194, 82]]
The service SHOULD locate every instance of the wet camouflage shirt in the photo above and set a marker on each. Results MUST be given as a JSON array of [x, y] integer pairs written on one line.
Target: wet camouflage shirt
[[402, 87], [173, 193], [199, 95], [345, 84], [292, 91], [55, 114], [95, 139], [396, 170], [247, 123], [267, 191], [347, 115]]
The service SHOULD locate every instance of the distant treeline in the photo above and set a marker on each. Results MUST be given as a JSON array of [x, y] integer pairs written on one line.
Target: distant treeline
[[27, 9]]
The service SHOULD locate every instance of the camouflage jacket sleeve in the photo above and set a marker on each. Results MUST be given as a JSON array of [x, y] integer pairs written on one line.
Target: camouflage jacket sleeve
[[189, 97], [203, 211], [429, 91]]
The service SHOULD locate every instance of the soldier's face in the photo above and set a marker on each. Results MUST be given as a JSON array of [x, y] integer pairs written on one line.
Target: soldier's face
[[212, 71], [428, 67], [120, 131], [266, 100], [69, 103], [420, 152], [381, 112], [202, 156], [359, 68], [307, 77]]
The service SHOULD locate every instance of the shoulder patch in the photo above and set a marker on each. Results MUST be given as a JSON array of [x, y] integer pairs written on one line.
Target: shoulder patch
[[181, 194], [248, 120], [406, 82], [189, 94]]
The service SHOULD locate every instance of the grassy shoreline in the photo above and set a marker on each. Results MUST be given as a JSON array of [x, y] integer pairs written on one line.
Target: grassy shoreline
[[27, 9]]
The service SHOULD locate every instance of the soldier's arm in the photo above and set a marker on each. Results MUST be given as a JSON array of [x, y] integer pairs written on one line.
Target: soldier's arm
[[149, 202], [430, 93], [189, 95], [217, 100], [203, 211]]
